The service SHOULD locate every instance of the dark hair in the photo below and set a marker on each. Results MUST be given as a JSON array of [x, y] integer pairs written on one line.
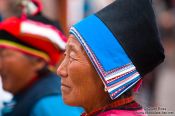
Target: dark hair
[[42, 72]]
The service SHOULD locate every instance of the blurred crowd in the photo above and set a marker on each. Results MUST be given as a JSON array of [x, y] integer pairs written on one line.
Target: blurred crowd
[[157, 89]]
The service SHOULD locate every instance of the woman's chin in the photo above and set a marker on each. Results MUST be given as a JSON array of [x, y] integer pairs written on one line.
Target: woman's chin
[[69, 100], [8, 88], [5, 85]]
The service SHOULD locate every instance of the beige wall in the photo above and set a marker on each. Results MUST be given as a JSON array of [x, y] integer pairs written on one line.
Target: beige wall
[[50, 9]]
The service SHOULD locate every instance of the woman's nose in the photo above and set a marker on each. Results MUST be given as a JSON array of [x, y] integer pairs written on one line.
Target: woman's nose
[[62, 69]]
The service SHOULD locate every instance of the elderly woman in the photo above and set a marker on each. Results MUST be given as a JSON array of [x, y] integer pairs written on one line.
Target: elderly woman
[[106, 56]]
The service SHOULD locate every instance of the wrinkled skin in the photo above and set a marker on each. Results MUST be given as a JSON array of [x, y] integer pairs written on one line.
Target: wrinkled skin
[[81, 85]]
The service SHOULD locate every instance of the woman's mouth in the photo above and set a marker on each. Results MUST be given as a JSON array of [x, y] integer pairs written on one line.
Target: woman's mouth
[[62, 84], [65, 88]]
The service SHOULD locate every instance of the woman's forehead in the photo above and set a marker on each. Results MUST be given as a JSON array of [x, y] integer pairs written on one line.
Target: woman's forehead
[[10, 51], [73, 43], [5, 49]]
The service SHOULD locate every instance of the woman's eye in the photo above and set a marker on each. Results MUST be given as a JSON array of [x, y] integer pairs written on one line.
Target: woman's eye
[[72, 55], [71, 58]]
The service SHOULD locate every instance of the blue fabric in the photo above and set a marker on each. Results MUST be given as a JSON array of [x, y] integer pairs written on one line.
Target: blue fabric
[[94, 31], [54, 106], [8, 106]]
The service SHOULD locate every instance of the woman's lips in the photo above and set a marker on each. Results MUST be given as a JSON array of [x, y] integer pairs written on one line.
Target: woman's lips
[[64, 85], [65, 88]]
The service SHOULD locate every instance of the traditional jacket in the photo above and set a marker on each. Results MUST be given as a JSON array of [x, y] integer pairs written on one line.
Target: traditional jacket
[[122, 107]]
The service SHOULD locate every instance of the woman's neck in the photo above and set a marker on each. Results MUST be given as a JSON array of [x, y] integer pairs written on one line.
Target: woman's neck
[[102, 104], [98, 103]]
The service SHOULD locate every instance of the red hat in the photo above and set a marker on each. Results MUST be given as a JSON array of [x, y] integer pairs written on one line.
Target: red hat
[[32, 37]]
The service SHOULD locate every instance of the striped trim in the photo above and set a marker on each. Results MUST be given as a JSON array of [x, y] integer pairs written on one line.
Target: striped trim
[[24, 49], [117, 74], [47, 31]]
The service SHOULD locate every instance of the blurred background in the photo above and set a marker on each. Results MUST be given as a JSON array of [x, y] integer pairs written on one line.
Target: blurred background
[[158, 87]]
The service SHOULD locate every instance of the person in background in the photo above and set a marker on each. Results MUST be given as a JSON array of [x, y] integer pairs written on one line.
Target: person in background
[[9, 8], [29, 52], [31, 9], [106, 56]]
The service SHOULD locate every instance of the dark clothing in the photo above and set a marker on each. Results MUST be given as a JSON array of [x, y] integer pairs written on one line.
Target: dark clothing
[[45, 86]]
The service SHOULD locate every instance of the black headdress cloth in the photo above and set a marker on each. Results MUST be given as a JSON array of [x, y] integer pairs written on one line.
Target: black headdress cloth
[[122, 42]]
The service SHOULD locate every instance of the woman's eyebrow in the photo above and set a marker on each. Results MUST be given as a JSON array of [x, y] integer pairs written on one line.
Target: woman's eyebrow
[[73, 47]]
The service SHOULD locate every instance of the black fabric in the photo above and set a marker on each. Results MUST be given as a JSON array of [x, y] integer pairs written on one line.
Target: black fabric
[[132, 22], [46, 86]]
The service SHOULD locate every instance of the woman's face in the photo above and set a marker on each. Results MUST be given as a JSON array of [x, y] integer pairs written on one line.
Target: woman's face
[[16, 70], [81, 85]]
